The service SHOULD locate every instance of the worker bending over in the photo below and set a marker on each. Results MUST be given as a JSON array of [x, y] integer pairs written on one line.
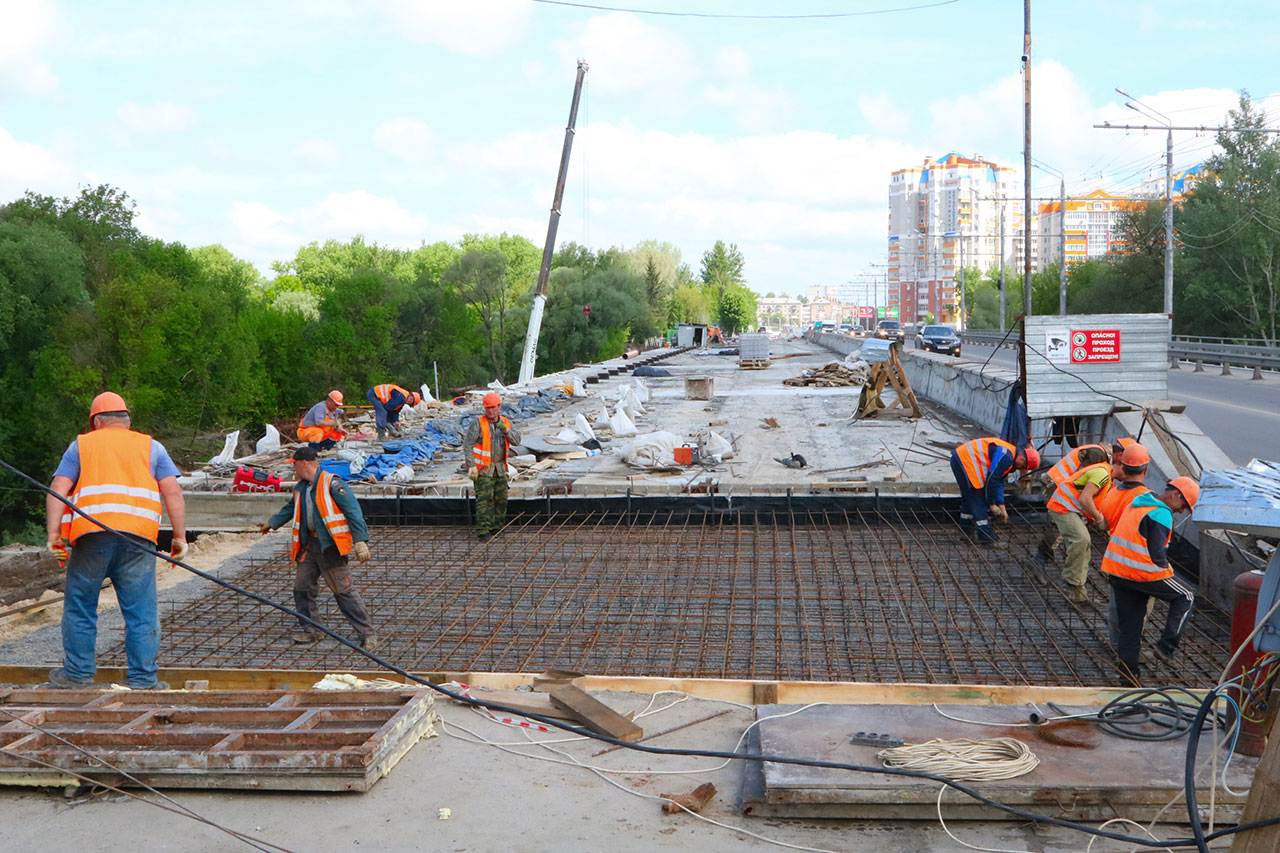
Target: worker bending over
[[1129, 483], [1072, 507], [490, 438], [980, 467], [121, 478], [327, 526], [1136, 564], [320, 426], [1071, 462], [388, 400]]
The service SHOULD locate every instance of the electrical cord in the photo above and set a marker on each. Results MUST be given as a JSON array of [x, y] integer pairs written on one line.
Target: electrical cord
[[1034, 817]]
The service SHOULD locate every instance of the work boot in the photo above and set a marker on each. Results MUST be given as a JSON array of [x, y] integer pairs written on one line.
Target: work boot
[[301, 637], [986, 535], [1131, 675], [155, 685], [59, 680], [1163, 652], [370, 642], [1078, 594], [1045, 552], [382, 434]]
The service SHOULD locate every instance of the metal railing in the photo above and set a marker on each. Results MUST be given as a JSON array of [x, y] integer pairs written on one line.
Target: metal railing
[[1201, 350]]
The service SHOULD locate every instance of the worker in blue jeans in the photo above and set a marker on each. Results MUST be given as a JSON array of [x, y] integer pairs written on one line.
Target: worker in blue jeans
[[980, 467]]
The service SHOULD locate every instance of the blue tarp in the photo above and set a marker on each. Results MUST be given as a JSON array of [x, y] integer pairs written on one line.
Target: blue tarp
[[1015, 419]]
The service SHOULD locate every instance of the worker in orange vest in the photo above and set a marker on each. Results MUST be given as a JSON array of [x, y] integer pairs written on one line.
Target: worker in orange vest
[[1129, 482], [1072, 507], [980, 467], [1136, 564], [122, 478], [320, 426], [328, 525], [1070, 463], [490, 438], [388, 400]]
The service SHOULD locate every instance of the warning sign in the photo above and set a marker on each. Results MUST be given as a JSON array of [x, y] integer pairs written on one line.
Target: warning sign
[[1092, 346]]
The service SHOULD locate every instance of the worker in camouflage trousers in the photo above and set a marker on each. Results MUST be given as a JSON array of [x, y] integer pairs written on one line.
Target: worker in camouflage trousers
[[490, 438]]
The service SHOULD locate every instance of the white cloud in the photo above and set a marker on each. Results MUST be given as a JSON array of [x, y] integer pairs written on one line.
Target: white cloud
[[262, 231], [26, 166], [153, 119], [362, 212], [26, 27], [476, 27], [405, 138], [754, 107], [883, 115], [316, 153], [628, 55]]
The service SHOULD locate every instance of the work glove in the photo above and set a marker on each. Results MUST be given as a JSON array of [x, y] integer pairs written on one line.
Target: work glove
[[473, 472], [362, 552], [264, 529], [58, 547], [179, 548], [1000, 512]]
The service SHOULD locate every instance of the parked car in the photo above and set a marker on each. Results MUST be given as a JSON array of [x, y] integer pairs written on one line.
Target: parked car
[[939, 339], [886, 329]]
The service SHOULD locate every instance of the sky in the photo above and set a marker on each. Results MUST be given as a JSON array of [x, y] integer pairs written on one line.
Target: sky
[[265, 126]]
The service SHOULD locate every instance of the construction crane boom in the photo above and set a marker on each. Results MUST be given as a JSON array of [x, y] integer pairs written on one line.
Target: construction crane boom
[[530, 357]]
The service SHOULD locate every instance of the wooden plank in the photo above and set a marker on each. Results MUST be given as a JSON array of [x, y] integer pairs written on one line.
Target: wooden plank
[[764, 693], [1264, 793], [594, 714]]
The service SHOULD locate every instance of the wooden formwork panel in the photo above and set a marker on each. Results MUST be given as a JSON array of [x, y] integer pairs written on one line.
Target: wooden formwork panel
[[297, 740]]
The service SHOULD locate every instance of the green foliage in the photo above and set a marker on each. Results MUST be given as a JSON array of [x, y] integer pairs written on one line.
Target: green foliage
[[619, 312], [735, 309], [688, 303], [722, 264]]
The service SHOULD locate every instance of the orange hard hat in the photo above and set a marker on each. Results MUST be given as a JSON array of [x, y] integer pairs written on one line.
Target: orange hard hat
[[1033, 457], [1121, 444], [336, 396], [1135, 456], [414, 398], [107, 401], [1188, 488], [492, 399]]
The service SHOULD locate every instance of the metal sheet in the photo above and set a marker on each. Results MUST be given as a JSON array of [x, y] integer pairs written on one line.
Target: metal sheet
[[1140, 376], [1245, 499]]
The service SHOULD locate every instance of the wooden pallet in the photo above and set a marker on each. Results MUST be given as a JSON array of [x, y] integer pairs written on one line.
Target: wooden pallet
[[753, 363], [295, 740]]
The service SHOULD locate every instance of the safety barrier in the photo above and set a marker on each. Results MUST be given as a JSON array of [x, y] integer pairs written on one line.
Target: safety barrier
[[1199, 350]]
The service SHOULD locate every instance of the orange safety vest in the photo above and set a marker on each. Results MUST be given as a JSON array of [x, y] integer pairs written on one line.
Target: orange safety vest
[[115, 485], [1116, 500], [1066, 497], [1068, 465], [383, 392], [482, 453], [330, 515], [1127, 556], [975, 455]]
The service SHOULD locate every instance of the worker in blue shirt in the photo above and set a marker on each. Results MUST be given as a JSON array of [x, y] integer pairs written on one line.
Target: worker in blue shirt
[[980, 467]]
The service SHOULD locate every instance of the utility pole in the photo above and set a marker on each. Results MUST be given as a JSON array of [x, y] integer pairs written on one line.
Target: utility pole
[[962, 325], [530, 357], [1002, 266], [1062, 245], [1026, 157]]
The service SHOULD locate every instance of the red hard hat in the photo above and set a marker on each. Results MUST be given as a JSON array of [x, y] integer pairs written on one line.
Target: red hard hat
[[1188, 488], [492, 399], [1033, 457], [1135, 456], [107, 401]]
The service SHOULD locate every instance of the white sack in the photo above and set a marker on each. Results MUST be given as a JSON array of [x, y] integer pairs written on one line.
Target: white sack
[[402, 474], [228, 454], [579, 387], [583, 427], [716, 445], [652, 450], [568, 436], [621, 424], [602, 417], [426, 394], [641, 390], [270, 441]]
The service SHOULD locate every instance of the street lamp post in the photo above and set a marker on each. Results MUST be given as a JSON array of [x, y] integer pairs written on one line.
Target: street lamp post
[[1150, 112]]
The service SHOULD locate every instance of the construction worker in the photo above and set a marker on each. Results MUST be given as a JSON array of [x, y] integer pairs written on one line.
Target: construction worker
[[1129, 482], [388, 400], [327, 526], [320, 426], [980, 467], [1070, 463], [1136, 564], [121, 478], [490, 438], [1072, 507]]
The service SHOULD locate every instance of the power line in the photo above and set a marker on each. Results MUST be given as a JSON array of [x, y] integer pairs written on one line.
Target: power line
[[739, 17]]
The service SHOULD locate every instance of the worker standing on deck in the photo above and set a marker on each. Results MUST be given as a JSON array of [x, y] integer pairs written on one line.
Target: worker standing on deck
[[388, 400], [980, 467], [1072, 507], [1129, 482], [490, 438], [320, 426], [121, 478], [327, 526], [1136, 564]]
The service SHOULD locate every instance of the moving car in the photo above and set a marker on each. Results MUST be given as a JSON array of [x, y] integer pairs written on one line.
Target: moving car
[[890, 329], [939, 339]]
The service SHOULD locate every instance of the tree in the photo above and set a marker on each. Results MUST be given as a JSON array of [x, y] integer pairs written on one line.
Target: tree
[[722, 264], [618, 313], [735, 309], [688, 303], [480, 278], [320, 266], [655, 290]]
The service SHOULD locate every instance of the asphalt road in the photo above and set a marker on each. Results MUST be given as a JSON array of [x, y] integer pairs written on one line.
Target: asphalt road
[[1241, 414]]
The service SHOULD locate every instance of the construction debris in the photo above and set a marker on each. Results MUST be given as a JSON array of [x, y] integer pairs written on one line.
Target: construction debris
[[833, 375], [593, 713], [694, 801]]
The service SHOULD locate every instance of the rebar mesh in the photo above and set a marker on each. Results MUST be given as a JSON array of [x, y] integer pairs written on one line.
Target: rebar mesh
[[890, 596]]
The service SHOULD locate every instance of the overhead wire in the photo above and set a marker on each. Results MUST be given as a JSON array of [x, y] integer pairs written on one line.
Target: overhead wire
[[1025, 814]]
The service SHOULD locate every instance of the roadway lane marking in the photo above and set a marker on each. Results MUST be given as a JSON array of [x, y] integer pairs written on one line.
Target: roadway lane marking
[[1263, 412]]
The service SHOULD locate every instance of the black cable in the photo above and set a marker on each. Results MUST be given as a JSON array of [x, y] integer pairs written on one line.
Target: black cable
[[1125, 715], [1034, 817]]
